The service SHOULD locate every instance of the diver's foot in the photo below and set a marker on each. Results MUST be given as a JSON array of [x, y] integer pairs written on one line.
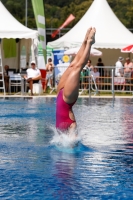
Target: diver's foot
[[91, 37], [87, 34]]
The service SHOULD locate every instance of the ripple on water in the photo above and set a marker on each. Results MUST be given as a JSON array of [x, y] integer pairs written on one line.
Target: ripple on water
[[36, 163]]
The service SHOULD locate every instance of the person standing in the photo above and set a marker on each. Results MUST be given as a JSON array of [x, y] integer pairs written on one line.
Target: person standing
[[89, 66], [96, 74], [85, 73], [128, 66], [119, 67], [6, 78], [132, 78], [84, 78], [100, 64], [49, 74]]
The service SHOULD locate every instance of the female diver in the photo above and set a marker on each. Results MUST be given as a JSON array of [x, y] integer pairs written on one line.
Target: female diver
[[68, 87]]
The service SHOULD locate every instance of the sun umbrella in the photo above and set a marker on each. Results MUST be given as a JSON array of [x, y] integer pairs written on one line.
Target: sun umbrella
[[74, 51], [127, 49]]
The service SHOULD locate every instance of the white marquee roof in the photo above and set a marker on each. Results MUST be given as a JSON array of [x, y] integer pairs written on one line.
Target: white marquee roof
[[111, 33], [11, 28]]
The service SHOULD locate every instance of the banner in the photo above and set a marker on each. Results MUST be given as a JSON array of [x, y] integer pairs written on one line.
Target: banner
[[41, 63], [68, 20], [60, 63], [38, 8]]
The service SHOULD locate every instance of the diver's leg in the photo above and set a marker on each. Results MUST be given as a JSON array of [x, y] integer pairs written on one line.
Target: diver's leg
[[45, 85], [71, 87], [73, 63]]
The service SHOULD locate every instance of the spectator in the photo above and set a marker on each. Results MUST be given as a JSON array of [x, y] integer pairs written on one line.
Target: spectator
[[83, 78], [6, 68], [127, 71], [128, 66], [95, 73], [132, 78], [33, 76], [6, 78], [86, 73], [49, 73], [100, 64], [89, 66], [119, 67]]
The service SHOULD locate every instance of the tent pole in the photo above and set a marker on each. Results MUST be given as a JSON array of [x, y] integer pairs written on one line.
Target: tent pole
[[33, 53], [26, 5], [19, 56]]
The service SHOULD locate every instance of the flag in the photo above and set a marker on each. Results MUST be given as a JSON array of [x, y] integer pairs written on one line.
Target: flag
[[38, 8], [68, 20]]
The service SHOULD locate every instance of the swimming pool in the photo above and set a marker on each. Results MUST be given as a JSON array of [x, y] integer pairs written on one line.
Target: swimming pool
[[33, 167]]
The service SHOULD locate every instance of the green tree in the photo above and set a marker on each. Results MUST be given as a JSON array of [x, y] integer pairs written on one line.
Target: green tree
[[57, 11]]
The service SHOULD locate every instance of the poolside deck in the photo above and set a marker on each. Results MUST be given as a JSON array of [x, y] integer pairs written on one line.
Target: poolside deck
[[54, 95]]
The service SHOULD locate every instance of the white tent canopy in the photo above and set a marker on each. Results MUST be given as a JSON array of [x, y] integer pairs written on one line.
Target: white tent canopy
[[74, 51], [111, 33], [11, 28]]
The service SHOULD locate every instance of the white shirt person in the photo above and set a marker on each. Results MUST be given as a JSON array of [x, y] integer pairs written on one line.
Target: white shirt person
[[33, 73], [33, 76], [119, 67]]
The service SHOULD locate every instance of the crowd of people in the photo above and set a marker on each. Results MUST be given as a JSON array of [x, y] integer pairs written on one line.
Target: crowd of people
[[90, 70], [33, 75], [122, 69], [98, 71]]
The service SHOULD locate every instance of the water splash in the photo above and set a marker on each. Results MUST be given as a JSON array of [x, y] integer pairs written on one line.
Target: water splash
[[64, 139]]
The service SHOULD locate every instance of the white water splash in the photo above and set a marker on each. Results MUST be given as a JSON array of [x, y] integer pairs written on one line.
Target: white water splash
[[65, 140]]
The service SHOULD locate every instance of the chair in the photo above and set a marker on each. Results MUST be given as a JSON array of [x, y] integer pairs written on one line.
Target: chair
[[11, 71], [16, 80], [37, 87]]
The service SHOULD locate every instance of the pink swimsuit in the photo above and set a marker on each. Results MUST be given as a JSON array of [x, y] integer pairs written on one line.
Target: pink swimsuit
[[63, 120]]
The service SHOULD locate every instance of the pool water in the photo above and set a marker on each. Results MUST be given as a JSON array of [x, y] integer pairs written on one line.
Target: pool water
[[34, 166]]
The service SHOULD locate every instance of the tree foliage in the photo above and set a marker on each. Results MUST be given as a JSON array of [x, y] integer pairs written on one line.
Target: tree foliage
[[57, 11]]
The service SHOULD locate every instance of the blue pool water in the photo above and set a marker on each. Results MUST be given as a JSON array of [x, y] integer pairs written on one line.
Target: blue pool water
[[34, 166]]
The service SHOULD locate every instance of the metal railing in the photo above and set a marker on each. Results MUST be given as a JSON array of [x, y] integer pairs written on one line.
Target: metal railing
[[97, 80], [102, 80]]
